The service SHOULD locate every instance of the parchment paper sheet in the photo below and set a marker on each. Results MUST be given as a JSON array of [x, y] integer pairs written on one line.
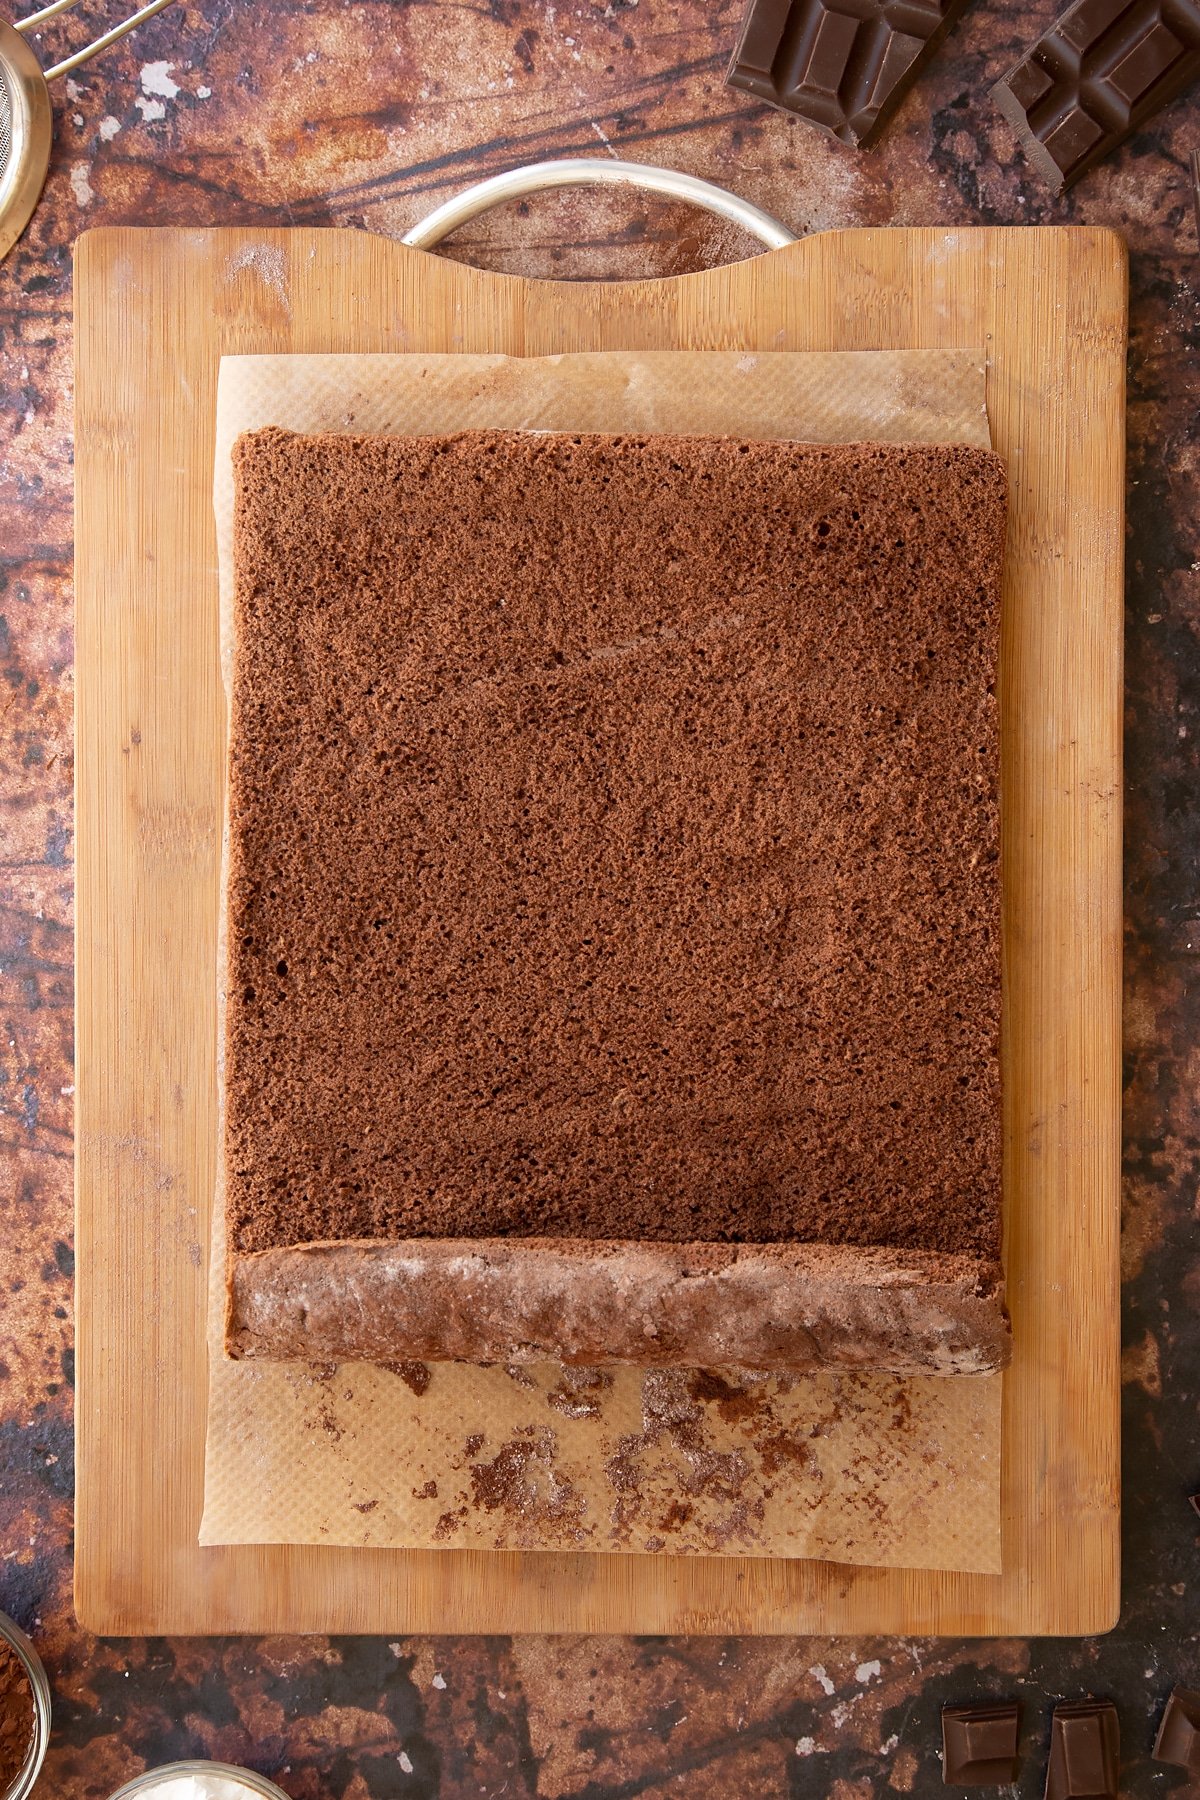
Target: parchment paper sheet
[[854, 1468]]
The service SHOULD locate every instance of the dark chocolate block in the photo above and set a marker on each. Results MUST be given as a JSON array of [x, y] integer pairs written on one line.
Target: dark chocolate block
[[1085, 1752], [979, 1744], [1178, 1739], [841, 64], [1103, 68]]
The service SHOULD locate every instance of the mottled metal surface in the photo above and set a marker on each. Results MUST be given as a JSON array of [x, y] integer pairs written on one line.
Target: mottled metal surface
[[365, 114]]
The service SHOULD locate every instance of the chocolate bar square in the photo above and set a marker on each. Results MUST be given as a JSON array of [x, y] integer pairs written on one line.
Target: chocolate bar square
[[841, 64], [1085, 1752], [1178, 1739], [1103, 68], [979, 1744]]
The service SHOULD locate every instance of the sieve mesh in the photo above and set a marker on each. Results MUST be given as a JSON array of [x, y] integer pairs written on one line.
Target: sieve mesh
[[5, 122]]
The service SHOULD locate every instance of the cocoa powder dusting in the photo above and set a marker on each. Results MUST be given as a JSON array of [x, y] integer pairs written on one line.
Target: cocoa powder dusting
[[578, 1393], [523, 1481], [415, 1375], [672, 1415], [326, 1419], [448, 1523], [778, 1450], [16, 1716], [903, 1407], [735, 1402]]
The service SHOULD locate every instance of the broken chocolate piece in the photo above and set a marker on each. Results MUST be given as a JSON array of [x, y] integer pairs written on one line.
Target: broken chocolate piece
[[1085, 1752], [1178, 1739], [1103, 68], [840, 65], [979, 1744], [1194, 1499]]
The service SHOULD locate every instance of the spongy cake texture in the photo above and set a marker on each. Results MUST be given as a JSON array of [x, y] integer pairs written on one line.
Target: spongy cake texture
[[614, 842]]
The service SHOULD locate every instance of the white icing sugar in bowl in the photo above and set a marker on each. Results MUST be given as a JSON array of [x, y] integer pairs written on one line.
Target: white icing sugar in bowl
[[199, 1781]]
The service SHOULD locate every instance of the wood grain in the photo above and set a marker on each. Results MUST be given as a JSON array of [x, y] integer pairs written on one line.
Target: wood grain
[[155, 311]]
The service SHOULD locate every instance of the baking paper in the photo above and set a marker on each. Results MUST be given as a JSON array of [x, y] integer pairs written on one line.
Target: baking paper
[[858, 1468]]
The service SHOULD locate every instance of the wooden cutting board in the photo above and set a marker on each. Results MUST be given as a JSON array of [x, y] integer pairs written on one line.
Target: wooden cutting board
[[154, 312]]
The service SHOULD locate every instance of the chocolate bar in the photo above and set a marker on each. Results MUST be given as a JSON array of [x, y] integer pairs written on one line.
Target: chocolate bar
[[979, 1744], [835, 67], [1085, 1752], [1178, 1739], [1103, 68]]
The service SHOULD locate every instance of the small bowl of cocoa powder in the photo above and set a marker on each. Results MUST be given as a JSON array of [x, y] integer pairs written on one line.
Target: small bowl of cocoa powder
[[24, 1712]]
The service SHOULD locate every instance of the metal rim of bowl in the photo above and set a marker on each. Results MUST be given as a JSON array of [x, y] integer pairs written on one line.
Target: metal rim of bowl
[[23, 173], [598, 171], [150, 1778], [31, 1662]]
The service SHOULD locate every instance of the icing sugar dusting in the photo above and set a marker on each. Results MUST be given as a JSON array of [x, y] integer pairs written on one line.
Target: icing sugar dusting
[[156, 79], [264, 260]]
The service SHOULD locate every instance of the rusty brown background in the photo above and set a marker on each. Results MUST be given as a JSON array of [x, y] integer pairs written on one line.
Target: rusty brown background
[[366, 114]]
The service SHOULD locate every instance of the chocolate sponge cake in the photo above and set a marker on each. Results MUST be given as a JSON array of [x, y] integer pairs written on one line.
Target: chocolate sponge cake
[[613, 902]]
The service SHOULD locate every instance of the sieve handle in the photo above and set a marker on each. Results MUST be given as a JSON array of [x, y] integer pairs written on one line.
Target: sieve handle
[[588, 171], [33, 21]]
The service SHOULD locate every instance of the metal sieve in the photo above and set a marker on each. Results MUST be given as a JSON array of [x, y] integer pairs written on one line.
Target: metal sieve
[[26, 121]]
